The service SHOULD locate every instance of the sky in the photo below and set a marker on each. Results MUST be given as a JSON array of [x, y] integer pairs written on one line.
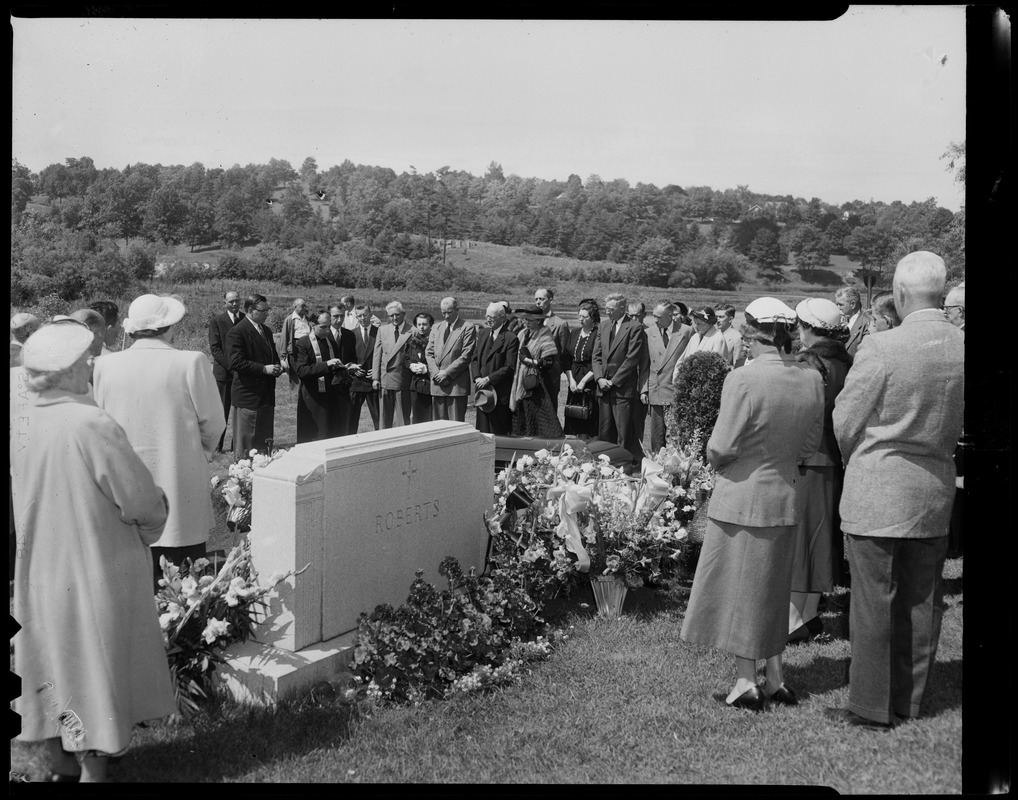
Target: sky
[[861, 107]]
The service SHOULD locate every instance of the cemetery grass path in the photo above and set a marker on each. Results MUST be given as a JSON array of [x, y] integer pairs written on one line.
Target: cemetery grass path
[[621, 701]]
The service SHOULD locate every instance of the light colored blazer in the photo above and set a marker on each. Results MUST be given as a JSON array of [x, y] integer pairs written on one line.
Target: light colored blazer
[[388, 367], [167, 402], [453, 356], [659, 386], [858, 332], [898, 420], [771, 418]]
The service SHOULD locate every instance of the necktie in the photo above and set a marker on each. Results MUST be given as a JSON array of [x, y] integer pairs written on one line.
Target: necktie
[[664, 336], [445, 335], [611, 336], [364, 335]]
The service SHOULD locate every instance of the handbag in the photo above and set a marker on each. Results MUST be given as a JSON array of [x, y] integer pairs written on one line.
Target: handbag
[[581, 411]]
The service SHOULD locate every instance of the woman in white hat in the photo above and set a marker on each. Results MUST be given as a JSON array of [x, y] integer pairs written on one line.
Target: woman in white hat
[[771, 418], [90, 653], [817, 553], [167, 401], [23, 325]]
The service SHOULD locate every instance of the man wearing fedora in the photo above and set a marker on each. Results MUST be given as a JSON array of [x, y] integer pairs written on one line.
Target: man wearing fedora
[[897, 421], [255, 365], [389, 373], [450, 348], [492, 370]]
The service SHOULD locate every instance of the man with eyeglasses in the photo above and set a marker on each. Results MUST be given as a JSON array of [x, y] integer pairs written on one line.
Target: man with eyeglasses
[[389, 373], [954, 306], [849, 301], [255, 365]]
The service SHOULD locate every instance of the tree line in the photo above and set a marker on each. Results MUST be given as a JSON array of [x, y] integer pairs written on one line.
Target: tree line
[[358, 225]]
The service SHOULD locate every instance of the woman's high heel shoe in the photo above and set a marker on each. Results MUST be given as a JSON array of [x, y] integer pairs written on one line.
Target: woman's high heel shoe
[[751, 700]]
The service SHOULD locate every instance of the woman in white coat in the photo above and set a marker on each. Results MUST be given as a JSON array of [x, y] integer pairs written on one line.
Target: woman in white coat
[[89, 653], [167, 402]]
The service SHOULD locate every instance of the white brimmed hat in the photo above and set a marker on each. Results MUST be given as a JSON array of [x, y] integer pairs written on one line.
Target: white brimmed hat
[[23, 319], [56, 346], [770, 309], [819, 312], [151, 312]]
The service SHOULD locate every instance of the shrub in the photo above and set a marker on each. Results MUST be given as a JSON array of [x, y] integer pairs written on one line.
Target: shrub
[[141, 261], [710, 267], [231, 266], [698, 387], [421, 650], [185, 272]]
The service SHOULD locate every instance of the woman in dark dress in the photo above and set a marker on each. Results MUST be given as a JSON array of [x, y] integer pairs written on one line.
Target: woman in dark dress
[[581, 375], [417, 363], [530, 400]]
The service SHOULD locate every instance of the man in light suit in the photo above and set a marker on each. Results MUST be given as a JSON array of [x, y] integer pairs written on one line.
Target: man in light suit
[[361, 390], [616, 366], [736, 347], [847, 299], [296, 326], [389, 373], [450, 348], [493, 367], [897, 421], [666, 339], [255, 365], [219, 326]]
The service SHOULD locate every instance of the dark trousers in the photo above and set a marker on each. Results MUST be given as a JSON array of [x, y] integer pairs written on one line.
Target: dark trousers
[[317, 416], [395, 406], [357, 399], [498, 421], [175, 555], [615, 423], [420, 407], [224, 395], [449, 407], [251, 428], [894, 622]]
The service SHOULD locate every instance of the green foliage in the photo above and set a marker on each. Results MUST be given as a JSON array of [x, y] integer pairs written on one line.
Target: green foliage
[[418, 651], [654, 262], [711, 268], [141, 261], [698, 386]]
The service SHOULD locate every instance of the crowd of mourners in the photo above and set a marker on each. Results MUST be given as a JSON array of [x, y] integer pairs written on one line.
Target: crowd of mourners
[[833, 452]]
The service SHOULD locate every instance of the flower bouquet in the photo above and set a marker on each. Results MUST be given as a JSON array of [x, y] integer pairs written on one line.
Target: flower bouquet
[[589, 520], [237, 489], [203, 611]]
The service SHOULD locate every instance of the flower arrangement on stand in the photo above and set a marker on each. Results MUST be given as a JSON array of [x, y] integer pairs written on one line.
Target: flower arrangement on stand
[[202, 611], [589, 522], [237, 489], [693, 477]]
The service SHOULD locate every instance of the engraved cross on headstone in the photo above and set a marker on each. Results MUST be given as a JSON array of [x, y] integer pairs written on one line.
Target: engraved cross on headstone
[[408, 473]]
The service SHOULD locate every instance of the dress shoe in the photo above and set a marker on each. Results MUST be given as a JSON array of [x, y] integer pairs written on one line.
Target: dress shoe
[[752, 700], [853, 719], [784, 697], [806, 631]]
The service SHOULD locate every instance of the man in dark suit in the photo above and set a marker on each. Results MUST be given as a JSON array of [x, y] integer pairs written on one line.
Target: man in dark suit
[[492, 367], [616, 367], [255, 365], [361, 389], [345, 342], [219, 326], [316, 360], [847, 299]]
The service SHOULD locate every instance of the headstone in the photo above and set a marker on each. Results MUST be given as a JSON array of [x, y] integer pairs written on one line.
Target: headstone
[[364, 512]]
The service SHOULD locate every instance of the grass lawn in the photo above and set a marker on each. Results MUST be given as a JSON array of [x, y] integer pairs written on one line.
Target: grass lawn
[[619, 702]]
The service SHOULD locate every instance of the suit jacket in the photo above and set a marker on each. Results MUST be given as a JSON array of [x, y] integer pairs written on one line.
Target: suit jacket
[[771, 418], [619, 361], [898, 420], [365, 354], [858, 332], [289, 337], [659, 386], [309, 370], [219, 326], [495, 358], [249, 354], [346, 351], [387, 366], [452, 356], [736, 347]]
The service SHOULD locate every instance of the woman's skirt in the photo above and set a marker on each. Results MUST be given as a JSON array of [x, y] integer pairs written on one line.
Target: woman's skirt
[[535, 415], [813, 567], [739, 600]]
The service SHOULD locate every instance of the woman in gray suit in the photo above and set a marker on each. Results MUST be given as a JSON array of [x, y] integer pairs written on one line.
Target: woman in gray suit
[[771, 418]]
